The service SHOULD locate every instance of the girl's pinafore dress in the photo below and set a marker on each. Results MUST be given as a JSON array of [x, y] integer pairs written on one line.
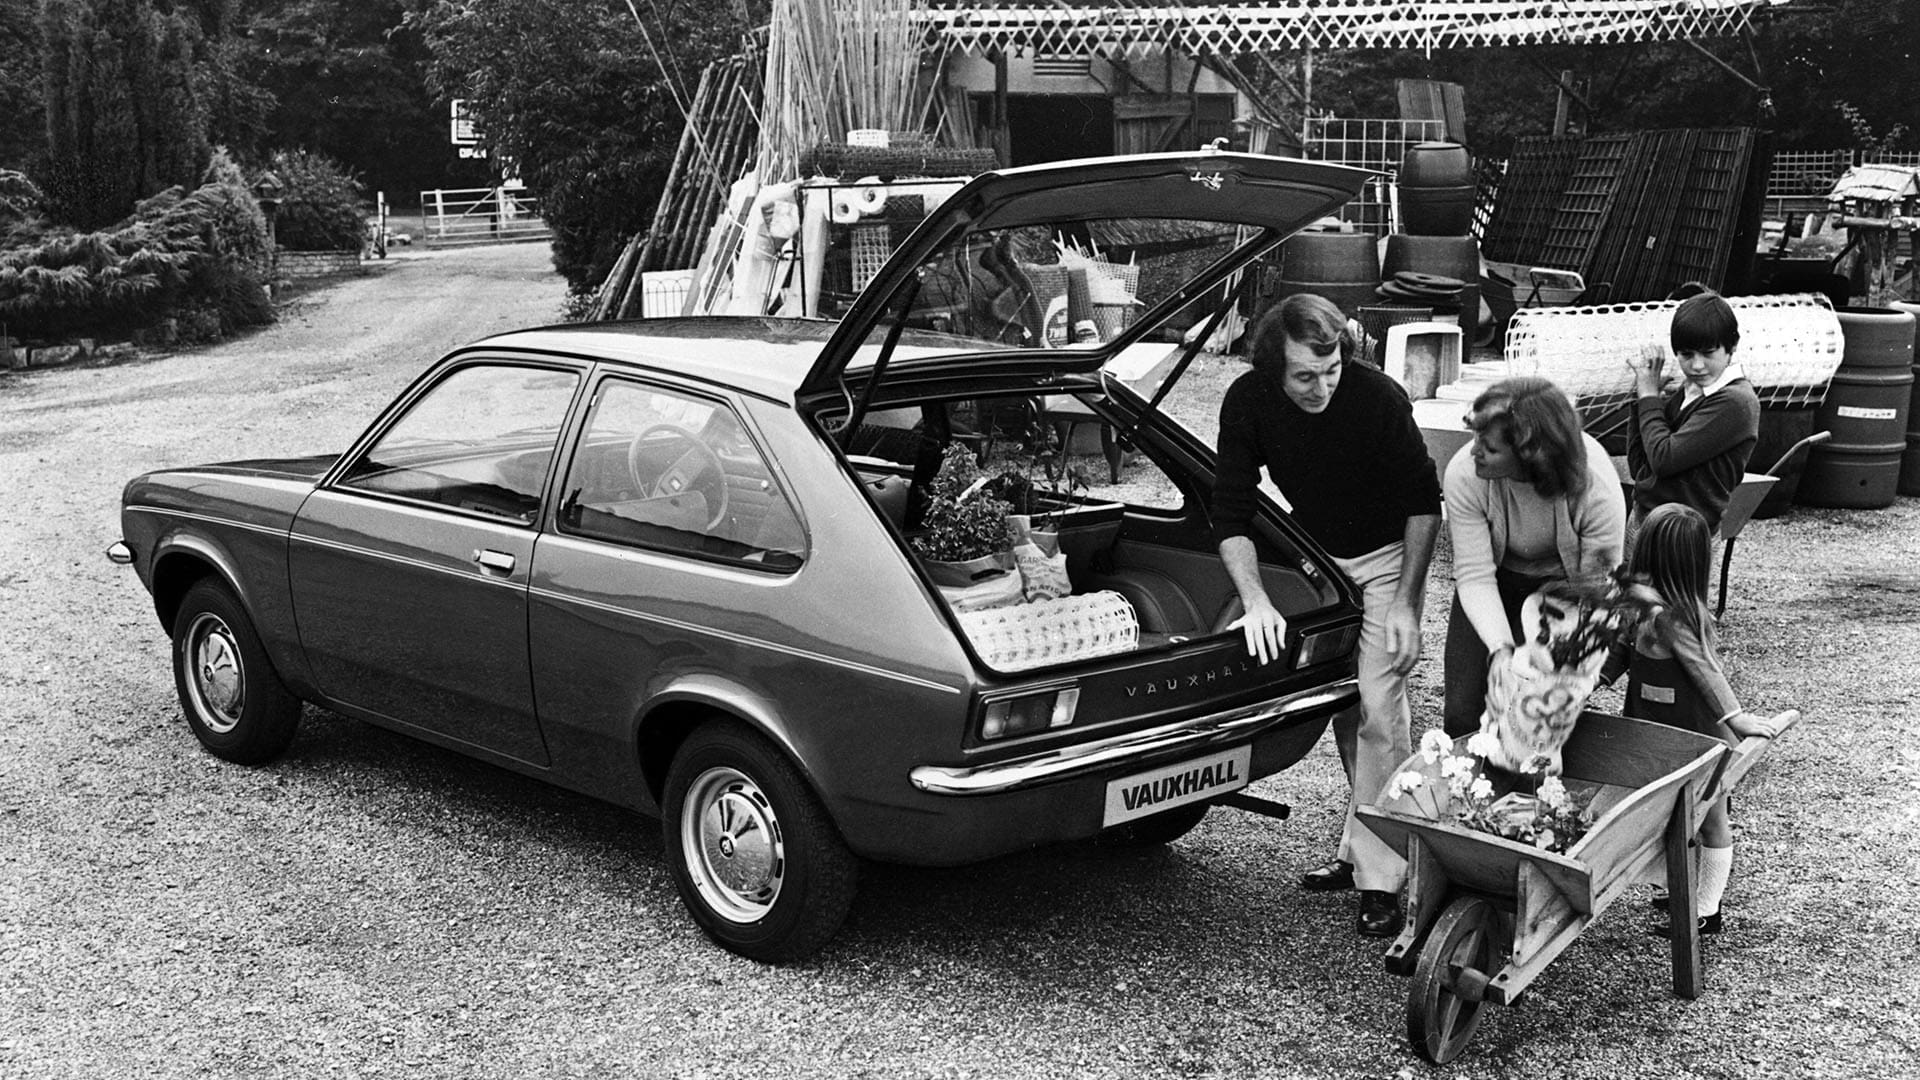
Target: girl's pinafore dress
[[1673, 678]]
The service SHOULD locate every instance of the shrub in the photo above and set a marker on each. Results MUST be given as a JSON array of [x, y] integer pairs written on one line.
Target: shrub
[[577, 305], [962, 522], [320, 207], [98, 281], [18, 196], [200, 251]]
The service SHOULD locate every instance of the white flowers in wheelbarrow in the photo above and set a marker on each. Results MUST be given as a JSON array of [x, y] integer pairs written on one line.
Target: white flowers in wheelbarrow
[[1505, 778], [1456, 787]]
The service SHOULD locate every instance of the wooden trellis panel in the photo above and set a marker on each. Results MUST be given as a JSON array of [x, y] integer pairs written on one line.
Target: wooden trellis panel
[[1704, 223], [1584, 205], [1134, 29], [1529, 193]]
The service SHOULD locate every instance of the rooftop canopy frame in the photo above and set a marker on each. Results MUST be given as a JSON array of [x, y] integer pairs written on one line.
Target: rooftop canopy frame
[[1123, 28]]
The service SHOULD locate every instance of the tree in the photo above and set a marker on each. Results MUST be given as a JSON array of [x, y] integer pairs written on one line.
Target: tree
[[238, 107], [576, 96], [347, 80], [22, 116], [125, 119], [1811, 60]]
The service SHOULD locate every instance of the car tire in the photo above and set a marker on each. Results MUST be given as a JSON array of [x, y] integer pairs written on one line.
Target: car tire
[[756, 859], [234, 700], [1162, 828]]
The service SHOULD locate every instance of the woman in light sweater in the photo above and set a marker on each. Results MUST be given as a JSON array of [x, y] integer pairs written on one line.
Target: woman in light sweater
[[1532, 499]]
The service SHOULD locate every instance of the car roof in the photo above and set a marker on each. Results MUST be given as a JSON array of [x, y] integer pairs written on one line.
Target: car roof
[[759, 355]]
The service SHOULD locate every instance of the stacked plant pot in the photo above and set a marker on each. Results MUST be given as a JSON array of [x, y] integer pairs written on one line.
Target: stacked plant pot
[[1344, 267], [1436, 242]]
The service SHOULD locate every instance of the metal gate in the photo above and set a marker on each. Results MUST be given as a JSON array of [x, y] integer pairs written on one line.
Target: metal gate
[[496, 215]]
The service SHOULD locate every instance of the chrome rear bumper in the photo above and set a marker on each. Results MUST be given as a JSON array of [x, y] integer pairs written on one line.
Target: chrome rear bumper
[[1199, 733]]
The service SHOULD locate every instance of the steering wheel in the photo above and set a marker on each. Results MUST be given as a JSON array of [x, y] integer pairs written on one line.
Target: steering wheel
[[694, 468]]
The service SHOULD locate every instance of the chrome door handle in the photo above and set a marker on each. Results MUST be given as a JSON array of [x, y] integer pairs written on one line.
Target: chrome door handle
[[494, 560]]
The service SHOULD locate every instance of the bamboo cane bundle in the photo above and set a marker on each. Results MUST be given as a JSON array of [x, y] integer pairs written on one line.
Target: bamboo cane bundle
[[837, 68]]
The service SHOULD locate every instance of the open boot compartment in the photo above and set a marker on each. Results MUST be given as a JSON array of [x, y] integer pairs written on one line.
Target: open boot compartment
[[1153, 567]]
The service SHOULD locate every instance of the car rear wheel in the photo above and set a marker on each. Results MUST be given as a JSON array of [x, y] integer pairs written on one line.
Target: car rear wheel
[[234, 700], [1162, 828], [753, 853]]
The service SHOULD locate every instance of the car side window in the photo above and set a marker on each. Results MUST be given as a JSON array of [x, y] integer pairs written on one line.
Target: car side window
[[480, 440], [666, 470]]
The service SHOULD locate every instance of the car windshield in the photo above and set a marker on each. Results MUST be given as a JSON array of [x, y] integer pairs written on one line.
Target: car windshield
[[1083, 284]]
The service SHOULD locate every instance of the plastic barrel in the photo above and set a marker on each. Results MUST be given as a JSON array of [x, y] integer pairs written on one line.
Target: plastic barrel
[[1447, 256], [1910, 461], [1343, 267], [1436, 190], [1780, 428], [1866, 410]]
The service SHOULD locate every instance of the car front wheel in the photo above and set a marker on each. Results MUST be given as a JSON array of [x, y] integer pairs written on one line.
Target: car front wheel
[[234, 700], [753, 853]]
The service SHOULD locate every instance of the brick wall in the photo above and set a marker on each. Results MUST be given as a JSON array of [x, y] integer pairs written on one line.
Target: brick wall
[[294, 265]]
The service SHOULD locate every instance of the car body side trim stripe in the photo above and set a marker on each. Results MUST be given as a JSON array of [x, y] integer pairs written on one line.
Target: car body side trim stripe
[[419, 564], [742, 639], [209, 518]]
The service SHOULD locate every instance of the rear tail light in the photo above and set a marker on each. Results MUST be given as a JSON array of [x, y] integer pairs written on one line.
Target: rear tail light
[[1324, 645], [1027, 713]]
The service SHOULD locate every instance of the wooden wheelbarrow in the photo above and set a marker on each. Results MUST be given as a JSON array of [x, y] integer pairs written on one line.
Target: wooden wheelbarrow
[[1485, 915]]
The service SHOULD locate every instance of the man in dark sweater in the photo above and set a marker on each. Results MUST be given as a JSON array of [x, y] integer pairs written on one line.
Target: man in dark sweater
[[1339, 441], [1693, 447]]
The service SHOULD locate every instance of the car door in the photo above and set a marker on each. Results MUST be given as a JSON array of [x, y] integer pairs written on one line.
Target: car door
[[671, 548], [409, 565]]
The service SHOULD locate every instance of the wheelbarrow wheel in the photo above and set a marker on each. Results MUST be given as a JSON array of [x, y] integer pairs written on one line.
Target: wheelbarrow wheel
[[1449, 982]]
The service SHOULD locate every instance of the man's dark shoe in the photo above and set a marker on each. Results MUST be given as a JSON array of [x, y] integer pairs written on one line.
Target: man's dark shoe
[[1379, 914], [1330, 877], [1708, 924]]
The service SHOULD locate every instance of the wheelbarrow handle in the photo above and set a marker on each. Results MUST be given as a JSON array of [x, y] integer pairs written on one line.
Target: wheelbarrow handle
[[1816, 437], [1747, 754]]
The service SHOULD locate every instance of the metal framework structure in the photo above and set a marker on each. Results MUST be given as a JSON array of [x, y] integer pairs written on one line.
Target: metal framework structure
[[1135, 30]]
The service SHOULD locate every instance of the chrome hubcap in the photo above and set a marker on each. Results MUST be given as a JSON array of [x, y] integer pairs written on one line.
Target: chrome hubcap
[[217, 677], [732, 845]]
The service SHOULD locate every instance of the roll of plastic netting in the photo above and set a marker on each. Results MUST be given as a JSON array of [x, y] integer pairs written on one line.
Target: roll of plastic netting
[[1054, 631], [1790, 346]]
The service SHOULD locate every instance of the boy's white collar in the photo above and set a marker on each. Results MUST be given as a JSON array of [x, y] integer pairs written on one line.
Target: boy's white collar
[[1733, 372]]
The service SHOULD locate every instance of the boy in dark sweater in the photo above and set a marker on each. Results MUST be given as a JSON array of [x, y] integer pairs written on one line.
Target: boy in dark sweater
[[1693, 447], [1339, 441]]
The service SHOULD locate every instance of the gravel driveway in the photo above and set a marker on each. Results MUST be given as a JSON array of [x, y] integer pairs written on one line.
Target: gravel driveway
[[370, 906]]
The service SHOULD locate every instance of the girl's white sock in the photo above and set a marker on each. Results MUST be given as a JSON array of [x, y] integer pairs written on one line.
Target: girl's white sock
[[1716, 866]]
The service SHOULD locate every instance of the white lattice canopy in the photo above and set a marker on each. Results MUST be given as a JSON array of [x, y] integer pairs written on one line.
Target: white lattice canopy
[[1136, 30]]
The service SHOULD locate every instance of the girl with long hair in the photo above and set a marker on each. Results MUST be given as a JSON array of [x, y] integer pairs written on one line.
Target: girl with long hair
[[1674, 675]]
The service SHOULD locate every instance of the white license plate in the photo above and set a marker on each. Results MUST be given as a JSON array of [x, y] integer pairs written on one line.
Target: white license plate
[[1147, 793]]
